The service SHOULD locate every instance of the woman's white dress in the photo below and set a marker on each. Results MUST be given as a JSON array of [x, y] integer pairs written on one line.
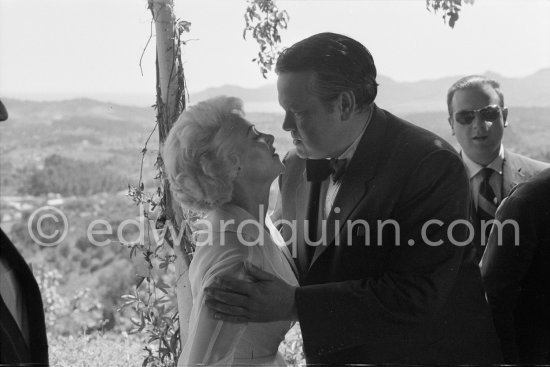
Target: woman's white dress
[[227, 237]]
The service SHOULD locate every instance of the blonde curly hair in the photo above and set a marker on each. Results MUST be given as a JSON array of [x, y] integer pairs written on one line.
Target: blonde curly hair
[[199, 161]]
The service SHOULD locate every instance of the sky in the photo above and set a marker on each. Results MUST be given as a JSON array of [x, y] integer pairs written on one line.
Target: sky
[[56, 49]]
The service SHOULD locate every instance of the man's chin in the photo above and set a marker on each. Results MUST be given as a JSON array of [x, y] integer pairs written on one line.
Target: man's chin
[[301, 152], [304, 153]]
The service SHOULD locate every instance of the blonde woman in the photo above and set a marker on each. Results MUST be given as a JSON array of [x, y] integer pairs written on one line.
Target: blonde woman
[[218, 163]]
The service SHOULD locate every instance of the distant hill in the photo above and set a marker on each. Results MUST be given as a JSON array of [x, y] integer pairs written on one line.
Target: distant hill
[[265, 93], [404, 97], [22, 111], [94, 131], [89, 130], [80, 129], [430, 95]]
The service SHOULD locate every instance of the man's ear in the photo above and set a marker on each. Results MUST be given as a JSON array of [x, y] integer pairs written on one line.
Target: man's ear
[[505, 116], [451, 123], [347, 105]]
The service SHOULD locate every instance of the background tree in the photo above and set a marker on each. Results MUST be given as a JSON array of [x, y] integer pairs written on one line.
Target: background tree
[[164, 324], [264, 21]]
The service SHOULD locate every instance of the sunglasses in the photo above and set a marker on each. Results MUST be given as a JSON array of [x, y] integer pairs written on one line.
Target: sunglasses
[[487, 113]]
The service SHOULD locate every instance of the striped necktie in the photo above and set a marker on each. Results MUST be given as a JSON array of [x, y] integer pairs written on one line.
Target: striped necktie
[[486, 200]]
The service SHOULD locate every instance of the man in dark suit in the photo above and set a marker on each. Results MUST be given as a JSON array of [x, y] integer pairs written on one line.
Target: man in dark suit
[[22, 328], [516, 272], [386, 282], [478, 118]]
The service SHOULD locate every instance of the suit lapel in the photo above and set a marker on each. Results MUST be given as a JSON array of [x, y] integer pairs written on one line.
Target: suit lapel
[[16, 348], [360, 171], [38, 350], [511, 173], [291, 261]]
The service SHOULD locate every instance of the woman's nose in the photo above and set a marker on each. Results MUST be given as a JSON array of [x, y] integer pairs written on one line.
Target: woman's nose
[[269, 139]]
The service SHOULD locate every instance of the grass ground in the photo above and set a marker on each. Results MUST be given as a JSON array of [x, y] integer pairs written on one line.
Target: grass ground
[[122, 350], [105, 350]]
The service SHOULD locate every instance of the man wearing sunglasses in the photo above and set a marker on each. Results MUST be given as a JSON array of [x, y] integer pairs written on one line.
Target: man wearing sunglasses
[[478, 117]]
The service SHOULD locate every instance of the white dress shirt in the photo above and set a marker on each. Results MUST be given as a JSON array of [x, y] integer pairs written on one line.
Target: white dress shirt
[[334, 187]]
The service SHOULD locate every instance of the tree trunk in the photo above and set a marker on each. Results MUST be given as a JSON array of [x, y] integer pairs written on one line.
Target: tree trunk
[[170, 103]]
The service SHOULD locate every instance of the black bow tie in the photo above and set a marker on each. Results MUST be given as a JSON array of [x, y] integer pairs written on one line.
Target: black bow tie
[[320, 169]]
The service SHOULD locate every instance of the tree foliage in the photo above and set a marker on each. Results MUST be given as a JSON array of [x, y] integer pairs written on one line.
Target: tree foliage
[[264, 21], [449, 8]]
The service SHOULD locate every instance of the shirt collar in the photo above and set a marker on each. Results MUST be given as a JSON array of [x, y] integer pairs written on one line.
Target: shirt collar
[[474, 168], [348, 153]]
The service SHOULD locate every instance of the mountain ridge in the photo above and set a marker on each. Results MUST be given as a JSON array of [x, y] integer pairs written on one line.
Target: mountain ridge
[[404, 97], [401, 98]]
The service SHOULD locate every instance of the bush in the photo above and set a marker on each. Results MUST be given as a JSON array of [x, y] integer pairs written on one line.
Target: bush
[[65, 314]]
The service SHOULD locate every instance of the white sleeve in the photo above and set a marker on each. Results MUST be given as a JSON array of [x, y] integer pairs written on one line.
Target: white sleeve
[[213, 342]]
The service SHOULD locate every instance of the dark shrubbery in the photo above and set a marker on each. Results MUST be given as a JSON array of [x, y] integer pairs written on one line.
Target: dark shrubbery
[[70, 177]]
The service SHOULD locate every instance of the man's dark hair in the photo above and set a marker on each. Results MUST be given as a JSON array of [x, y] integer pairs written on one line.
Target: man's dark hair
[[472, 81], [340, 64]]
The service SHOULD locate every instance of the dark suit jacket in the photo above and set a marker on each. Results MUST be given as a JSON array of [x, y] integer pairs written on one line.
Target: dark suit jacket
[[14, 349], [517, 278], [389, 302], [515, 170]]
